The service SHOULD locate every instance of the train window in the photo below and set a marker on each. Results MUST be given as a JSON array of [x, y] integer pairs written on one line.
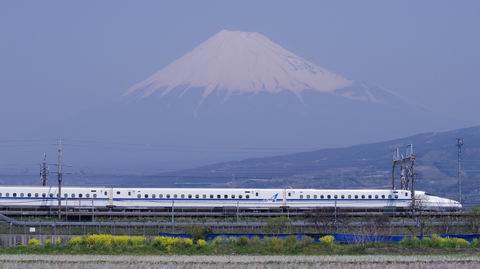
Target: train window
[[73, 195], [363, 196], [0, 194], [247, 196], [389, 196], [29, 194], [94, 195], [211, 196], [396, 196], [197, 196], [118, 192], [315, 196], [335, 196], [189, 196], [21, 194], [204, 196], [43, 195], [87, 195], [406, 194], [376, 196], [343, 196], [51, 195], [219, 196], [383, 196], [65, 195], [225, 196], [301, 196], [139, 195], [154, 196], [308, 196], [321, 196], [256, 194], [168, 195], [240, 196], [80, 195], [329, 196], [14, 194], [349, 196], [105, 193], [160, 196], [356, 196], [129, 193], [370, 197], [7, 194], [233, 196], [146, 195], [58, 195], [289, 194], [181, 196], [36, 194]]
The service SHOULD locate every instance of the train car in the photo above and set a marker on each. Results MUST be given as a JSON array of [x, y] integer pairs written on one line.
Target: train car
[[251, 198]]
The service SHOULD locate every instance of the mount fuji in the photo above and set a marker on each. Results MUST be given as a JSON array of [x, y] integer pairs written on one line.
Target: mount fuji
[[239, 95], [234, 63]]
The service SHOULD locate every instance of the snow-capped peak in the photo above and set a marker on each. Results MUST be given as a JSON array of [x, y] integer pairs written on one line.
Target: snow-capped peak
[[237, 61]]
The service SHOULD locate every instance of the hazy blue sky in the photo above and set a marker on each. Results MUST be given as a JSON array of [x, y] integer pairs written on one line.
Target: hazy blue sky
[[59, 56]]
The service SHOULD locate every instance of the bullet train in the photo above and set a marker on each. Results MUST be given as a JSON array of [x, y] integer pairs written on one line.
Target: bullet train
[[249, 198]]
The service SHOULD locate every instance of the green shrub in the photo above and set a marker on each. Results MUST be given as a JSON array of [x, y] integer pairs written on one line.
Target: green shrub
[[441, 242], [276, 244], [99, 241], [198, 231], [201, 243], [137, 241], [120, 241], [243, 241], [475, 243], [34, 243], [218, 241], [164, 242], [327, 240], [305, 242], [255, 241], [459, 242], [291, 242], [75, 241], [410, 242], [434, 241], [186, 242]]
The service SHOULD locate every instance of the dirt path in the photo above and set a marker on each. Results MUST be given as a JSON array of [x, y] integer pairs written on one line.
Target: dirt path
[[236, 262]]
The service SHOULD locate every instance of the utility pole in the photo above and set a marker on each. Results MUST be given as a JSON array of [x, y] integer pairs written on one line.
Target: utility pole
[[395, 161], [411, 172], [407, 170], [60, 176], [44, 171], [459, 168]]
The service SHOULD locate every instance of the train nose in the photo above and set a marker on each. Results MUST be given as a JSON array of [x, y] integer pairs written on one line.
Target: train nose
[[455, 204]]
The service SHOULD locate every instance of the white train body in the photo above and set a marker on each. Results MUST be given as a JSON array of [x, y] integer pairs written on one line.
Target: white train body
[[102, 197]]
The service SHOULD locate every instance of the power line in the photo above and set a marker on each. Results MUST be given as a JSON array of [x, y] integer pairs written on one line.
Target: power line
[[459, 176]]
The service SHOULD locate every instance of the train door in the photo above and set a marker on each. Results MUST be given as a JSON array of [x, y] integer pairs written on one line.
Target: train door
[[110, 197]]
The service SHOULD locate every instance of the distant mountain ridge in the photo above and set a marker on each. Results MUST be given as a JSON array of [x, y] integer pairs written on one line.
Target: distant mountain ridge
[[361, 166]]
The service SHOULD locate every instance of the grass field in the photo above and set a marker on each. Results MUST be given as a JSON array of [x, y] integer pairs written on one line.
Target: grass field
[[237, 262]]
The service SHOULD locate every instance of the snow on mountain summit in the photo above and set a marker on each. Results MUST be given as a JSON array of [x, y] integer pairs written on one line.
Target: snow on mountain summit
[[237, 61]]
